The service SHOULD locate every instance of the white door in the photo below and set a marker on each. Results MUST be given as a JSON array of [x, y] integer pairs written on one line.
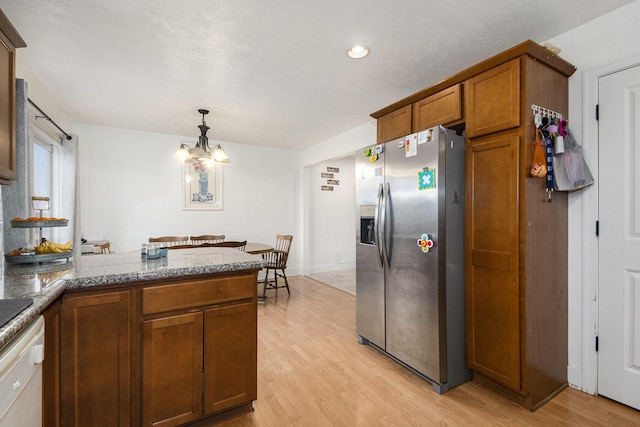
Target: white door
[[619, 240]]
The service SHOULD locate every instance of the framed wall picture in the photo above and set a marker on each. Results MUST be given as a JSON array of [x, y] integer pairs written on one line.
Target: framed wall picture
[[202, 187]]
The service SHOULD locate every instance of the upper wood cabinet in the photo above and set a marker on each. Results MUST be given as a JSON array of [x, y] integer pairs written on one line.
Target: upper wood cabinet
[[442, 108], [10, 40], [493, 100], [394, 124]]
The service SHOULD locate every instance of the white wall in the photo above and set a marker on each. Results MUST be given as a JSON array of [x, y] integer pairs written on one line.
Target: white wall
[[131, 189], [605, 40], [331, 218], [342, 145]]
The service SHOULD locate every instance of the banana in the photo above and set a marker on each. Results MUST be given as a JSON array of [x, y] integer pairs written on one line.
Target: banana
[[55, 249], [58, 247], [42, 248]]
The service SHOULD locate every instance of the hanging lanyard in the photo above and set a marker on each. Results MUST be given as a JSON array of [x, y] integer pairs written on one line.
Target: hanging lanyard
[[549, 152]]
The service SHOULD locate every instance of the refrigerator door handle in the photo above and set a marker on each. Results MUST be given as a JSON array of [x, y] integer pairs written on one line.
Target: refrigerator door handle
[[385, 202], [376, 225]]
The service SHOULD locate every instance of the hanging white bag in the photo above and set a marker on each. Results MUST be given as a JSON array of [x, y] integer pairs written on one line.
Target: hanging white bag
[[570, 170]]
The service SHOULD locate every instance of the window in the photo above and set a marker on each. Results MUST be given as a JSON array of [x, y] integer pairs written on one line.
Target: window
[[44, 174], [41, 170]]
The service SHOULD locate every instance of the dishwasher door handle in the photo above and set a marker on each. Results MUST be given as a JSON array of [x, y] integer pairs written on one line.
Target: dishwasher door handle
[[37, 354]]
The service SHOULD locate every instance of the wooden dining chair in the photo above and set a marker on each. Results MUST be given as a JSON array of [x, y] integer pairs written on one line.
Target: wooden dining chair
[[277, 262], [170, 240], [206, 238], [239, 245], [103, 248]]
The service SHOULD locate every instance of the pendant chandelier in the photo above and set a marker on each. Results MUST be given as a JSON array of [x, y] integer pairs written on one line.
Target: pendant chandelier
[[202, 153]]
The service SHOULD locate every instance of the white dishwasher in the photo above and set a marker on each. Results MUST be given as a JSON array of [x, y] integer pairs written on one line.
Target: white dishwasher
[[21, 378]]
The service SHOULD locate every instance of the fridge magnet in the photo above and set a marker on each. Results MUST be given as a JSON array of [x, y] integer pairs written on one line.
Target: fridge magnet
[[334, 170], [373, 157], [333, 182], [326, 188], [401, 143], [366, 152], [326, 175], [378, 149], [425, 136], [425, 243], [411, 145], [427, 179]]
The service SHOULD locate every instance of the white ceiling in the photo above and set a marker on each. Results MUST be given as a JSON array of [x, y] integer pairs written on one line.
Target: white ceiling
[[272, 72]]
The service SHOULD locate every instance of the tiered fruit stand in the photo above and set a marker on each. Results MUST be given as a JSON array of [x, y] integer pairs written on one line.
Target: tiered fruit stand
[[39, 204]]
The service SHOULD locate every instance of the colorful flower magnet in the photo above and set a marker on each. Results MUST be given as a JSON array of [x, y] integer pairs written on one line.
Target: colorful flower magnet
[[425, 243]]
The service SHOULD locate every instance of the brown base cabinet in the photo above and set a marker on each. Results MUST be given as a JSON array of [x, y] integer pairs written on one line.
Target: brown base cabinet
[[515, 240], [96, 365], [162, 354], [230, 357], [172, 370]]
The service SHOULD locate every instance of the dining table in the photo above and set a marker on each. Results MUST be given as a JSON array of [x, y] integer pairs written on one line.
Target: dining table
[[257, 248]]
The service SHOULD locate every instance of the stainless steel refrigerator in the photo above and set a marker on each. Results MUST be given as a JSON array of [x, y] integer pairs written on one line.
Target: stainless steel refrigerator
[[410, 253]]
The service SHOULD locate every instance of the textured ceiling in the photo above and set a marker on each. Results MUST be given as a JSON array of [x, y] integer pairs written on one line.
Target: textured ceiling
[[271, 72]]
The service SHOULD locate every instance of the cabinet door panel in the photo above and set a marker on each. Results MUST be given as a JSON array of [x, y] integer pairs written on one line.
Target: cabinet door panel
[[172, 370], [95, 375], [7, 112], [230, 357], [493, 100], [492, 286], [438, 109], [394, 125]]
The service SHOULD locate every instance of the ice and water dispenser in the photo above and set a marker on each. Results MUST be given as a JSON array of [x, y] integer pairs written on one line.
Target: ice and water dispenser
[[367, 224]]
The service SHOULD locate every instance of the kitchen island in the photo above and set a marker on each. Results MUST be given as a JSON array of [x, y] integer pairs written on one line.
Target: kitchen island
[[144, 342]]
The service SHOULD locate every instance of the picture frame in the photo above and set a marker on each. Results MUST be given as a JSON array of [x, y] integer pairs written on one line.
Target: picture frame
[[202, 188]]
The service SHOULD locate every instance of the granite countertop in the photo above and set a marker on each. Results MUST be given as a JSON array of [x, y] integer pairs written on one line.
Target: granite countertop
[[47, 281]]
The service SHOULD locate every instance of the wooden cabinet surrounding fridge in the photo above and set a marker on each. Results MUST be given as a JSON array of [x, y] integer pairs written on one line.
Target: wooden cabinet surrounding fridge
[[515, 240]]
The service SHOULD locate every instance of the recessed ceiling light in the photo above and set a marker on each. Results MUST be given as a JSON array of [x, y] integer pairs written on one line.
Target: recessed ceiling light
[[358, 52]]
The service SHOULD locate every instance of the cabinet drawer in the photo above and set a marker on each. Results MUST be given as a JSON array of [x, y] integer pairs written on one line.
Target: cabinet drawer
[[438, 109], [394, 125], [197, 293]]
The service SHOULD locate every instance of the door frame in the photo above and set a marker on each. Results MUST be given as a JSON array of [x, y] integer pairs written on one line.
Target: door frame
[[587, 202]]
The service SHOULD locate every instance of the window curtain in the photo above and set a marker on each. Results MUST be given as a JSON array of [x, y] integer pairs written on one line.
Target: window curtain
[[16, 198], [68, 192]]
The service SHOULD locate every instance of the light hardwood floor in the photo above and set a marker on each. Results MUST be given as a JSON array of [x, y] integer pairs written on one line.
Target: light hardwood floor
[[313, 372]]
